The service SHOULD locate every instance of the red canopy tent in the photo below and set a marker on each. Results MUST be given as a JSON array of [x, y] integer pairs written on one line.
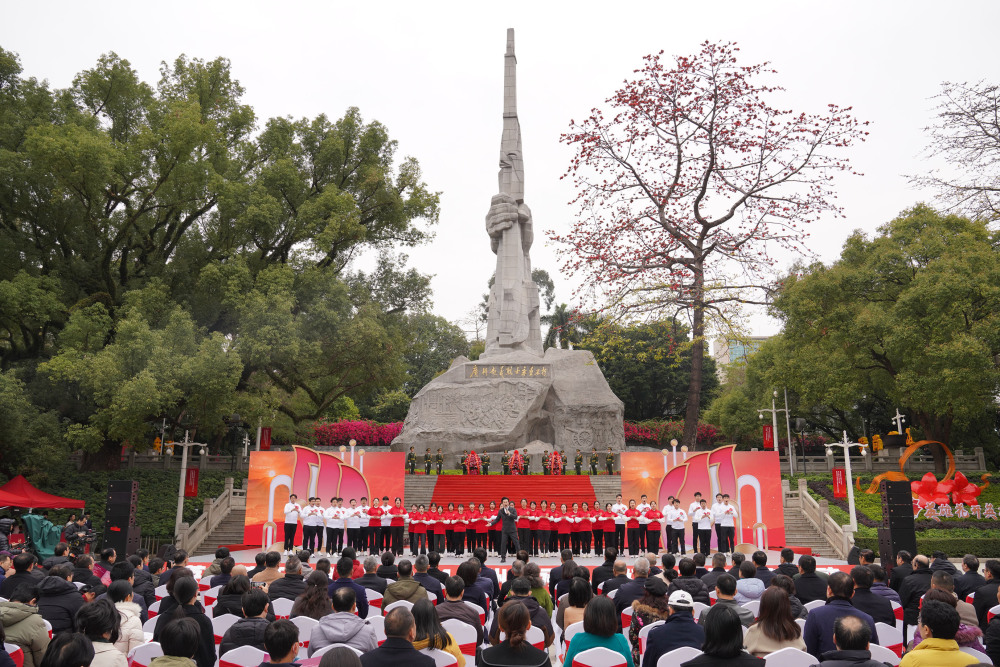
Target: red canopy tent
[[19, 492]]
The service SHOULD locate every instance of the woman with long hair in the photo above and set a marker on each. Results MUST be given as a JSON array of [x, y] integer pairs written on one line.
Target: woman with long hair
[[571, 609], [775, 628], [514, 621], [632, 528], [538, 591], [340, 656], [168, 603], [430, 632], [314, 601], [652, 607], [723, 645], [99, 621], [186, 605], [230, 597], [600, 628]]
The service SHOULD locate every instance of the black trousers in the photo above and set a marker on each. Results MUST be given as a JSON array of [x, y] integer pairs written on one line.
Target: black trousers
[[642, 537], [396, 533], [620, 537], [290, 529], [494, 538], [334, 540], [574, 540], [598, 541], [449, 540], [585, 541], [354, 538], [609, 540], [633, 542], [719, 539], [438, 543], [524, 537], [670, 536], [376, 538], [705, 537], [364, 538], [730, 536], [508, 539], [653, 540], [677, 541], [310, 538]]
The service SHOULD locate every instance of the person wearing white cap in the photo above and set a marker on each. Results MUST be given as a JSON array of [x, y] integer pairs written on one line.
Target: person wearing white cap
[[678, 630]]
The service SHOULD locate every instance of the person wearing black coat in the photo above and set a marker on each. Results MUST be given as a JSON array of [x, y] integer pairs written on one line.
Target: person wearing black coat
[[687, 581], [605, 570], [678, 630], [876, 606], [396, 651], [986, 595], [185, 597], [289, 587], [901, 571], [556, 575], [971, 580], [143, 586], [372, 581], [59, 600], [633, 590], [991, 639], [913, 588], [249, 631]]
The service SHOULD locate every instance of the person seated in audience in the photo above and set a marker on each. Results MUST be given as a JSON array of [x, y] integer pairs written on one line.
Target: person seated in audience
[[142, 581], [809, 585], [70, 649], [787, 565], [314, 601], [344, 567], [725, 592], [281, 640], [271, 572], [605, 570], [454, 607], [387, 570], [226, 566], [230, 600], [737, 560], [688, 581], [943, 581], [620, 577], [178, 643], [340, 656], [938, 623], [775, 627], [23, 625], [259, 564], [185, 596], [370, 580], [470, 575], [633, 590], [83, 572], [533, 574], [880, 585], [521, 594], [970, 580], [514, 650], [759, 559], [851, 637], [433, 560], [291, 585], [216, 565], [876, 606], [59, 599], [650, 609], [818, 632], [785, 583], [24, 573], [600, 628], [748, 586], [99, 622], [516, 570], [967, 635], [397, 649], [130, 634], [249, 630], [343, 626], [405, 588], [723, 646], [431, 634], [718, 569], [679, 630], [570, 611], [421, 576]]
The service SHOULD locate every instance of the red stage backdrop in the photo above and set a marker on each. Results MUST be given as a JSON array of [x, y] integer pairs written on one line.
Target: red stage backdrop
[[752, 480], [307, 472]]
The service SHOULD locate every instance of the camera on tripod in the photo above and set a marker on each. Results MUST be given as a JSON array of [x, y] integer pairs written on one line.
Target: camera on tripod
[[6, 527]]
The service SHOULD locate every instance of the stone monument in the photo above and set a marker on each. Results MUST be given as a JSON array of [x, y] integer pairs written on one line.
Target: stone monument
[[515, 393]]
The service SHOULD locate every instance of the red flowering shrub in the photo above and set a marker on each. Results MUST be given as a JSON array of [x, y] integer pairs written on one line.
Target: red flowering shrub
[[653, 433], [364, 433]]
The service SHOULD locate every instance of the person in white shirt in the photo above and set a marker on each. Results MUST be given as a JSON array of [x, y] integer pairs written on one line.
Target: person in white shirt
[[352, 524], [334, 518], [619, 509], [727, 517], [693, 507], [293, 514], [678, 518], [643, 521], [716, 513], [385, 535], [366, 531], [701, 526], [312, 525]]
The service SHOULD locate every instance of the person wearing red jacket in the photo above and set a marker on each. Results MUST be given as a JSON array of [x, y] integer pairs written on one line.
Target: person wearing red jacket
[[543, 528], [418, 531], [494, 528], [375, 513], [532, 548], [439, 529], [653, 527], [524, 526], [396, 525], [564, 526], [461, 524], [585, 527], [470, 530], [450, 516], [608, 525], [553, 529], [575, 526], [632, 527], [482, 528]]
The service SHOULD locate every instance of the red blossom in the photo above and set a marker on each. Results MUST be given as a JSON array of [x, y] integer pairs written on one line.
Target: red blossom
[[364, 433], [963, 491], [928, 490]]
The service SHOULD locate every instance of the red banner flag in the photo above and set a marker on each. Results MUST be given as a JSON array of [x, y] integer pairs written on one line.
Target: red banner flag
[[839, 483], [265, 439], [191, 483], [768, 436]]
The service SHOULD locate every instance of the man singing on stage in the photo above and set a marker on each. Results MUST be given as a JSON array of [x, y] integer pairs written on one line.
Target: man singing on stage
[[508, 530]]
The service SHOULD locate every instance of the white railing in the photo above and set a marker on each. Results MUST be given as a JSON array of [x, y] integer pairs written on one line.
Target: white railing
[[840, 538], [215, 511]]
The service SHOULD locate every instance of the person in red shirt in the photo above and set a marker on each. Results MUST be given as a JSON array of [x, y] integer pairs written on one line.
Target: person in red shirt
[[375, 513], [460, 526], [585, 527], [524, 526], [575, 526], [450, 515], [438, 529], [543, 527], [470, 530], [418, 531], [597, 528], [653, 528], [532, 548], [608, 525], [396, 524], [494, 529], [632, 528], [482, 528], [563, 527]]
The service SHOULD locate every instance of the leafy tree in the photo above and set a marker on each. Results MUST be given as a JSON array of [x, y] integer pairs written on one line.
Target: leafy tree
[[391, 406], [967, 136], [911, 314], [433, 343], [648, 366], [564, 328], [686, 186], [29, 438]]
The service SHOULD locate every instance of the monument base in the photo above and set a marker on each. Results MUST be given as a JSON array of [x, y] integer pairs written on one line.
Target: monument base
[[507, 401]]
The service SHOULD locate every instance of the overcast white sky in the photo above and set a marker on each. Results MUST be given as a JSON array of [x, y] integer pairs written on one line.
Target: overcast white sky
[[432, 72]]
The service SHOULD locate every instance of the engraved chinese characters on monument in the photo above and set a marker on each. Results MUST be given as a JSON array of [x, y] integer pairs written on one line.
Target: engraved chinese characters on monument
[[516, 393]]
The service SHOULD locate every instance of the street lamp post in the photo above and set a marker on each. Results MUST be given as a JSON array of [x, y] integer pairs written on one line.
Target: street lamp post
[[774, 425], [180, 491], [846, 446], [899, 419]]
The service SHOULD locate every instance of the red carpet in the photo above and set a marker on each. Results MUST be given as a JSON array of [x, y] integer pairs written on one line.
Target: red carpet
[[567, 489]]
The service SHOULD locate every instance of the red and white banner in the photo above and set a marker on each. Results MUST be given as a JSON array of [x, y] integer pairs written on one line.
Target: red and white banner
[[768, 436], [265, 439], [839, 483], [191, 483]]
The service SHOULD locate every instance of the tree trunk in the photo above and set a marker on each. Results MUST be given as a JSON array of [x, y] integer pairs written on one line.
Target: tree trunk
[[108, 457], [693, 408], [936, 427]]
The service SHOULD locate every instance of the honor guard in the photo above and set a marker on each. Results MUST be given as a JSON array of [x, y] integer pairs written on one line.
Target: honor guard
[[594, 461], [411, 462], [578, 462], [439, 460]]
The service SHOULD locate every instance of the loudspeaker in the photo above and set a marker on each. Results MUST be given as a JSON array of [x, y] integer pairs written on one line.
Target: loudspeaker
[[124, 539], [898, 532], [122, 501]]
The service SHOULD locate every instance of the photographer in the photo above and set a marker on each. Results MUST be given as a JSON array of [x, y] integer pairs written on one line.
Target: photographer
[[6, 528], [77, 536]]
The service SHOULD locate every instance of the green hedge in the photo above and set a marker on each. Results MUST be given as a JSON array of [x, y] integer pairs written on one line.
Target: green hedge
[[982, 547]]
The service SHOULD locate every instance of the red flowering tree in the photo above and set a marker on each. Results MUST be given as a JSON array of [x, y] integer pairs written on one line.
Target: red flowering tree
[[364, 433], [687, 185]]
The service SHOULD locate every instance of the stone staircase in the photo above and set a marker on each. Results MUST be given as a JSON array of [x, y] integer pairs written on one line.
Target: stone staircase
[[606, 487], [419, 489], [800, 532], [229, 531]]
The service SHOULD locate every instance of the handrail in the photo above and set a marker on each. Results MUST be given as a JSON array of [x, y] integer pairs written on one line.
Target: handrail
[[215, 511], [840, 538]]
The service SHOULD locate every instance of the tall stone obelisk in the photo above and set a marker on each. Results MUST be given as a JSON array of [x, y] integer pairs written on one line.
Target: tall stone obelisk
[[515, 393]]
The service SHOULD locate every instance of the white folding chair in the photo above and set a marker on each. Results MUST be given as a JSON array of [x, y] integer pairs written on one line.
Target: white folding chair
[[801, 622], [882, 654], [897, 611], [464, 634], [205, 583], [161, 592], [210, 596], [282, 607], [244, 656], [79, 585], [441, 658], [479, 610], [815, 604], [754, 606], [143, 654], [678, 656], [432, 597], [890, 637], [994, 610], [600, 588], [970, 597], [398, 603], [568, 633], [535, 637], [697, 608], [222, 623], [378, 624], [150, 625], [598, 657], [613, 593], [374, 599], [154, 609], [626, 619], [305, 625], [789, 657], [330, 647], [713, 597], [15, 653], [644, 635], [978, 655], [48, 627]]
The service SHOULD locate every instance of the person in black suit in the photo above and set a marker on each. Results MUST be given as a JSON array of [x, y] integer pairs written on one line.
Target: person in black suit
[[809, 586], [971, 580], [556, 575], [434, 559], [617, 581], [397, 649], [901, 571], [507, 516], [986, 594], [371, 580], [481, 555], [876, 606], [605, 570], [635, 589]]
